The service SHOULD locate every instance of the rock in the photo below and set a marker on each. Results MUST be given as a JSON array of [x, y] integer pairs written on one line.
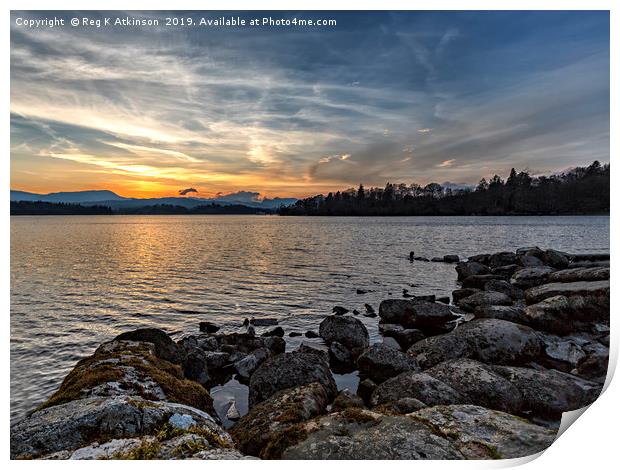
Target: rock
[[478, 281], [356, 312], [580, 274], [251, 330], [246, 366], [503, 258], [589, 257], [511, 313], [555, 259], [311, 334], [271, 419], [346, 399], [444, 299], [480, 258], [580, 288], [479, 433], [530, 277], [505, 271], [216, 360], [483, 299], [355, 434], [370, 314], [487, 340], [406, 293], [561, 353], [369, 308], [529, 261], [478, 384], [277, 331], [459, 294], [380, 362], [415, 314], [341, 359], [451, 259], [263, 321], [595, 364], [391, 343], [208, 327], [165, 348], [339, 310], [233, 413], [76, 424], [407, 337], [437, 259], [548, 392], [130, 368], [588, 264], [289, 370], [425, 298], [247, 343], [421, 258], [320, 350], [206, 342], [531, 250], [389, 329], [408, 405], [418, 385], [195, 366], [470, 268], [505, 288], [348, 331], [294, 334], [365, 389]]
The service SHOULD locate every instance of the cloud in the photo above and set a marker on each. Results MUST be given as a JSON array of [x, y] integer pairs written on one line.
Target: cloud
[[184, 192], [446, 163], [425, 130]]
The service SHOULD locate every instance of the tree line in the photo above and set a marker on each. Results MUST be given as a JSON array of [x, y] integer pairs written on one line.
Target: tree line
[[581, 190]]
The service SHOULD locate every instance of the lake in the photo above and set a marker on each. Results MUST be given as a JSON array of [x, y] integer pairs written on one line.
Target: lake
[[79, 280]]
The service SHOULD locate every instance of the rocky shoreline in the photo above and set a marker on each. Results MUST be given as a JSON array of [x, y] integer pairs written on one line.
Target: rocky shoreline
[[484, 375]]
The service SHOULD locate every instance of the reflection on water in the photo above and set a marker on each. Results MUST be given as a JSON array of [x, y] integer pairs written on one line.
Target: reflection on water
[[79, 280]]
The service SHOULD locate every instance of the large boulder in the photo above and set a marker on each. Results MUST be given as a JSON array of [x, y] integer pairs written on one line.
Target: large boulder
[[274, 416], [130, 368], [356, 434], [530, 277], [348, 331], [418, 314], [165, 347], [563, 315], [487, 340], [511, 313], [480, 433], [591, 289], [548, 392], [380, 362], [289, 370], [484, 299], [418, 385], [503, 258], [478, 384], [580, 274], [470, 268], [121, 426]]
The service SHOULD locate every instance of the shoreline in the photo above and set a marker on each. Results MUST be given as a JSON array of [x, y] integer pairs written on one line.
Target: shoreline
[[521, 324]]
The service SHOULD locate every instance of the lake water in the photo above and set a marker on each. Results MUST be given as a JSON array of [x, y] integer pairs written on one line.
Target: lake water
[[77, 281]]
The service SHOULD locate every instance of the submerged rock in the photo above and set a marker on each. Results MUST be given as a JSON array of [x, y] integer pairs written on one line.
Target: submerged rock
[[289, 370]]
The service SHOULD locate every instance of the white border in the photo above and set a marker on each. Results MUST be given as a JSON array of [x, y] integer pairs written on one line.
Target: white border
[[592, 443]]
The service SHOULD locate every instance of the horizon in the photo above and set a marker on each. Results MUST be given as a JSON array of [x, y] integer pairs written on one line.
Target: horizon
[[413, 96]]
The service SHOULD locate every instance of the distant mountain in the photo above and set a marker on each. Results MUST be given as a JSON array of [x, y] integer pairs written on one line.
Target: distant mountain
[[67, 197], [116, 202]]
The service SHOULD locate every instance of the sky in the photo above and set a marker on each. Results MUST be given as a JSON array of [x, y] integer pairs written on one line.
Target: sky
[[297, 111]]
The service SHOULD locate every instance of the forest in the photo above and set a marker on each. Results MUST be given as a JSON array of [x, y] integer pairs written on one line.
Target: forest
[[52, 208], [580, 190]]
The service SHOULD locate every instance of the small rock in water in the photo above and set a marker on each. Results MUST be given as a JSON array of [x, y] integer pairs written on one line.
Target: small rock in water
[[277, 331], [421, 258], [338, 310], [437, 259], [251, 330], [369, 308], [233, 413], [411, 256], [246, 321], [361, 291], [292, 334], [370, 314], [451, 259], [356, 312], [406, 293], [443, 300], [311, 334], [208, 327], [264, 321]]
